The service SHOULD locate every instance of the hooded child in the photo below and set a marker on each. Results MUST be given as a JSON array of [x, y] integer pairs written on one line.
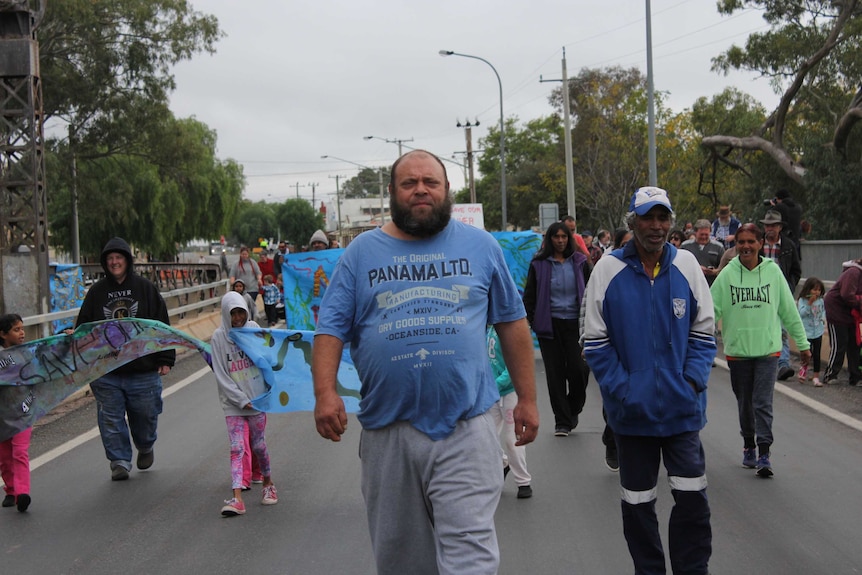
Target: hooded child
[[239, 381]]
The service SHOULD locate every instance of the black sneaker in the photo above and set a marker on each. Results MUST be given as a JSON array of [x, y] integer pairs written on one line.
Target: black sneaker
[[525, 492], [561, 431], [145, 460], [784, 373], [119, 473], [611, 459], [23, 502], [9, 501]]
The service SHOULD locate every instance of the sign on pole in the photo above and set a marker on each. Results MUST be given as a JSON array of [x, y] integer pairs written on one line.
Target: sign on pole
[[470, 214], [548, 214]]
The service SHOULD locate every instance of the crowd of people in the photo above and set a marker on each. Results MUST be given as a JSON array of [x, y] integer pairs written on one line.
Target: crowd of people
[[638, 307], [739, 276]]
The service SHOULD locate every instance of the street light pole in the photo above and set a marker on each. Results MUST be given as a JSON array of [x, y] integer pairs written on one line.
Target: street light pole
[[502, 130], [379, 179], [653, 172], [388, 141], [338, 204]]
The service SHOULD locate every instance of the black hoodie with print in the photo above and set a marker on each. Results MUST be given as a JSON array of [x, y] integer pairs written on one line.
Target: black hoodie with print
[[136, 296]]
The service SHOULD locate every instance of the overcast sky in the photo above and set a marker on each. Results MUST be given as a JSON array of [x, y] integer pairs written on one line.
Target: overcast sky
[[292, 81]]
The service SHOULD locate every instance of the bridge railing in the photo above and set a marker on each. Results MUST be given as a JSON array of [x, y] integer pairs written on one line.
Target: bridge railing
[[823, 258], [186, 289]]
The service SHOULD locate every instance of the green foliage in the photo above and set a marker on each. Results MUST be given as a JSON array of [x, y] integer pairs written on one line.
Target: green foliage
[[719, 180], [254, 220], [534, 156], [798, 28], [609, 141], [365, 184], [832, 201], [811, 142], [178, 192], [298, 220], [142, 174], [107, 60]]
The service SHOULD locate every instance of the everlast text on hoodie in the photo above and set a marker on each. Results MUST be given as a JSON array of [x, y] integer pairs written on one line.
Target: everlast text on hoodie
[[752, 305]]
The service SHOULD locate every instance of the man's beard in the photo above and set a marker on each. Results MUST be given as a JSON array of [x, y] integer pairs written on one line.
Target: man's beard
[[429, 225]]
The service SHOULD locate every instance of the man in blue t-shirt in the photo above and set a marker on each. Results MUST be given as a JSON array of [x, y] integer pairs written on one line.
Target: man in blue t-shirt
[[413, 299]]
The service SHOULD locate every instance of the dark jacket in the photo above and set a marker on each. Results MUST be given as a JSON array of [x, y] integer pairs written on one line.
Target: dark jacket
[[788, 261], [845, 295], [791, 214], [135, 297], [537, 291]]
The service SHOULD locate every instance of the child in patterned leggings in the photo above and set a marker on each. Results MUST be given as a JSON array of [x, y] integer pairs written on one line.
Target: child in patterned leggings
[[239, 381]]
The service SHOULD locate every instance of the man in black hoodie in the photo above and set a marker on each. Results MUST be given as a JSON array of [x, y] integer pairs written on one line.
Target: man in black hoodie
[[135, 388]]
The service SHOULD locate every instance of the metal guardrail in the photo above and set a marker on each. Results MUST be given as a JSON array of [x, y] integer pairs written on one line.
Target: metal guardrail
[[823, 258], [210, 296]]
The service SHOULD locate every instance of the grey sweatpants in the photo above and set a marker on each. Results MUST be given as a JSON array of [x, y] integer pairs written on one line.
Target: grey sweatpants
[[431, 504]]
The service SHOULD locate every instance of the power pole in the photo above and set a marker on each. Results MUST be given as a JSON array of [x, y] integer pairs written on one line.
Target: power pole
[[389, 141], [382, 190], [313, 188], [298, 185], [24, 217], [338, 205], [468, 133], [567, 131]]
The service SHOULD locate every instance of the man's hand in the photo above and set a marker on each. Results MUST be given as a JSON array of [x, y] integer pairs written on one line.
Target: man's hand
[[330, 416], [526, 416], [805, 356], [164, 370]]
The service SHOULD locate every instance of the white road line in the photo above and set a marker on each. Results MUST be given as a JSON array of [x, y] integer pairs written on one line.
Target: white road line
[[821, 408], [84, 437]]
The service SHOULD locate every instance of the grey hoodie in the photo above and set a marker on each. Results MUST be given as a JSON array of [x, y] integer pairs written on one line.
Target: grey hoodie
[[239, 380]]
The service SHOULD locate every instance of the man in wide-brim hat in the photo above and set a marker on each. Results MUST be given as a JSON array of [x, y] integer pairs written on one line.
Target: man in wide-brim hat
[[779, 247], [724, 227]]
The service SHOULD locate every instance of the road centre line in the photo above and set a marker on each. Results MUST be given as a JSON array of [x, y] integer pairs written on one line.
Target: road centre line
[[817, 406]]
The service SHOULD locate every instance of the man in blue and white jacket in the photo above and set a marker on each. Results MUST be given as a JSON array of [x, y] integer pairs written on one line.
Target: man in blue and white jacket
[[649, 341]]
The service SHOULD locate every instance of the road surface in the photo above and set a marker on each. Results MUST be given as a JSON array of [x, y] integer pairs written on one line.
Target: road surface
[[166, 520]]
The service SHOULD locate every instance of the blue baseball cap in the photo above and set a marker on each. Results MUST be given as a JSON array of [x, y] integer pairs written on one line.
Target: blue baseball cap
[[644, 199]]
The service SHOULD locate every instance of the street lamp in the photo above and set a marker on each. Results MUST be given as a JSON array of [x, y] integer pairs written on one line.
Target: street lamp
[[502, 129], [379, 179], [388, 141]]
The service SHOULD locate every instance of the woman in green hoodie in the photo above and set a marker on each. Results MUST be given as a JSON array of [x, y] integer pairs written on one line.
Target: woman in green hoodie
[[753, 300]]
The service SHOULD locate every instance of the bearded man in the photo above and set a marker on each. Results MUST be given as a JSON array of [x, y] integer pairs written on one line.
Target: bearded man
[[413, 299]]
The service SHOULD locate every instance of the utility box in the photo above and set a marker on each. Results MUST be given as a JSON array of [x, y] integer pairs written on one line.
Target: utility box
[[548, 214]]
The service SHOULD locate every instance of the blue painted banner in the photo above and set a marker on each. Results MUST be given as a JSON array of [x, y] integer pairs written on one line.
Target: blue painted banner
[[36, 376], [306, 276], [518, 250], [284, 359], [66, 285]]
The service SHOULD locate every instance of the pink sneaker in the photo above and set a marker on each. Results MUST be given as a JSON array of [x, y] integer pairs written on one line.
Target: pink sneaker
[[817, 382], [270, 495], [233, 507]]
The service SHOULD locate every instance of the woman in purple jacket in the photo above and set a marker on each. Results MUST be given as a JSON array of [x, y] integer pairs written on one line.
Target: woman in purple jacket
[[552, 298]]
